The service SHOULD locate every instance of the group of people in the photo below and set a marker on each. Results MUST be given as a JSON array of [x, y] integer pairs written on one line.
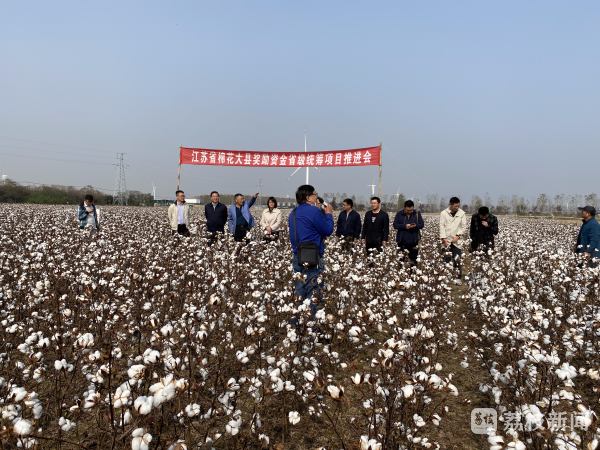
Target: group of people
[[237, 217], [312, 221]]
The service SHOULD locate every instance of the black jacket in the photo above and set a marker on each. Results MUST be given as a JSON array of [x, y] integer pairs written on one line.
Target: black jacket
[[216, 218], [378, 231], [349, 228], [483, 235]]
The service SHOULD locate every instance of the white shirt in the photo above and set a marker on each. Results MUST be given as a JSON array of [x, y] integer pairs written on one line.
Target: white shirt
[[180, 216], [90, 217]]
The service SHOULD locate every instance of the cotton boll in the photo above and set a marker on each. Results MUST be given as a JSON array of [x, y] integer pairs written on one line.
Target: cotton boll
[[369, 444], [143, 405], [407, 391], [65, 424], [335, 392], [22, 427], [293, 417], [141, 439], [192, 410]]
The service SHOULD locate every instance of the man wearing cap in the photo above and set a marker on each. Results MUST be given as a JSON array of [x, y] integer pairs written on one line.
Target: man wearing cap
[[589, 234]]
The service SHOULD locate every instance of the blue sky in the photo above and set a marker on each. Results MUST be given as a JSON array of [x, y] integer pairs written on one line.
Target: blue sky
[[469, 96]]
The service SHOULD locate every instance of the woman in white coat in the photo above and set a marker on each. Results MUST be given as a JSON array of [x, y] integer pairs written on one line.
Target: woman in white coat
[[271, 220]]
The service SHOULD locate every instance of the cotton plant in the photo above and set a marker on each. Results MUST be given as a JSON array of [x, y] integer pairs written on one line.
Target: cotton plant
[[538, 309], [135, 328]]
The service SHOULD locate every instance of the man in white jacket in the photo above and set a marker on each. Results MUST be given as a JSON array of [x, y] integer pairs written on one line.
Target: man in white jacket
[[179, 215], [453, 225]]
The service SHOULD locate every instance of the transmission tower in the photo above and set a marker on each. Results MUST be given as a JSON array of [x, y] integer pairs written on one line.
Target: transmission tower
[[120, 197], [259, 191]]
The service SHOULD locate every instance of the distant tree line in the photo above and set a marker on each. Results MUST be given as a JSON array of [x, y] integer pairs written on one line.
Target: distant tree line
[[515, 204], [13, 192]]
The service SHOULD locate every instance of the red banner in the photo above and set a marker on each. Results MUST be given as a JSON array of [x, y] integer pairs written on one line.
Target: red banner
[[207, 157]]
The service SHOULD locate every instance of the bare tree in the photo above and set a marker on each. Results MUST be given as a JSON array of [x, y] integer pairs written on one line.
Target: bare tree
[[503, 206], [476, 202]]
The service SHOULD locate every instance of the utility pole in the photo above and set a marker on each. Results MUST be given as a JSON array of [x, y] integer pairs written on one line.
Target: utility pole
[[120, 195], [259, 191]]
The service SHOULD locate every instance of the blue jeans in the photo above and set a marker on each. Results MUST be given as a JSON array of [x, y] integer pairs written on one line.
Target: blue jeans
[[311, 285]]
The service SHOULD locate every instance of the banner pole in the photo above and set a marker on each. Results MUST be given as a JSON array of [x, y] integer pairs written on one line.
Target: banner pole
[[380, 155], [179, 171]]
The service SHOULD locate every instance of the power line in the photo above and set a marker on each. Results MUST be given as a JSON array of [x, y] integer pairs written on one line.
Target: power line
[[54, 151], [56, 145], [51, 185], [409, 171], [52, 159]]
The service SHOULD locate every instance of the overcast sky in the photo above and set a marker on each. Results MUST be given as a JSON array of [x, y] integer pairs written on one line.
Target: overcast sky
[[466, 96]]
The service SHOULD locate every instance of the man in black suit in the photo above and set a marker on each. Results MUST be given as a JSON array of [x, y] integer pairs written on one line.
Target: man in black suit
[[216, 217], [376, 228]]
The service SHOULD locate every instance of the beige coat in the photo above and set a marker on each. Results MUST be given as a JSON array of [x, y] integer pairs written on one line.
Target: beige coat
[[172, 212], [271, 219], [453, 226]]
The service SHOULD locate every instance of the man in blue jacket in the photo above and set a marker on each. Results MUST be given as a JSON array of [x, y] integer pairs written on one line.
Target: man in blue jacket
[[240, 217], [348, 225], [589, 234], [87, 213], [409, 225], [312, 226], [216, 217]]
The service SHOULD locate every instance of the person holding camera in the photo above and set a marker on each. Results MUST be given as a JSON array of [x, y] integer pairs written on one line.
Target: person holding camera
[[87, 214], [308, 230]]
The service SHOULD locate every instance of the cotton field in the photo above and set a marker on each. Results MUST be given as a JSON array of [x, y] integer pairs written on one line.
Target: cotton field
[[137, 339]]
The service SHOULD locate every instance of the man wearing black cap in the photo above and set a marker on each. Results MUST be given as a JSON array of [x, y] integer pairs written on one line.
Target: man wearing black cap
[[589, 234]]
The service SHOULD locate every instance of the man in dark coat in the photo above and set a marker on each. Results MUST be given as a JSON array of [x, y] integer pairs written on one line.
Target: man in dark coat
[[589, 236], [376, 228], [484, 226], [216, 217], [348, 225], [409, 224]]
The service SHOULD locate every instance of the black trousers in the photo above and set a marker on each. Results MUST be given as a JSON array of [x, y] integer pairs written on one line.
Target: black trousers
[[182, 230], [455, 261], [240, 233], [413, 251]]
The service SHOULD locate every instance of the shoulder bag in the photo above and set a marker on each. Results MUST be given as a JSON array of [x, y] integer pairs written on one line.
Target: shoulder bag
[[307, 252]]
